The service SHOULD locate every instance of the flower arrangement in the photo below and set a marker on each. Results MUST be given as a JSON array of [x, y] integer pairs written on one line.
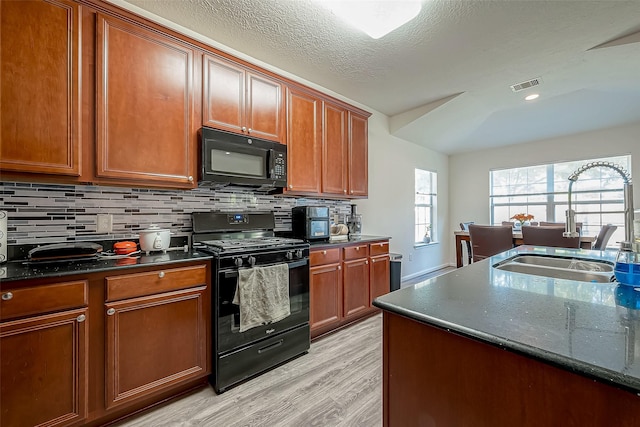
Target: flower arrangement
[[522, 217]]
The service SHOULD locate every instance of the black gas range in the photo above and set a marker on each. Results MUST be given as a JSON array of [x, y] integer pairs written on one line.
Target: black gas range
[[240, 241]]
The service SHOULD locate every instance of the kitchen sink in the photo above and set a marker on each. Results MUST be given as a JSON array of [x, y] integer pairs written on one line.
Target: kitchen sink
[[582, 270]]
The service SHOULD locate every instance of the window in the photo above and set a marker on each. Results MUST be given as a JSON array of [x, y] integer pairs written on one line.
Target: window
[[425, 206], [597, 196]]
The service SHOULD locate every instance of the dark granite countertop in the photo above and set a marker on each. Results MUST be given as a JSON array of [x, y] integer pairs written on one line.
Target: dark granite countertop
[[588, 328], [21, 270], [352, 239]]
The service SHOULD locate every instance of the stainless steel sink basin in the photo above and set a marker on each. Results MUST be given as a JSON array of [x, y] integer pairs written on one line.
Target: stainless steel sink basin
[[582, 270]]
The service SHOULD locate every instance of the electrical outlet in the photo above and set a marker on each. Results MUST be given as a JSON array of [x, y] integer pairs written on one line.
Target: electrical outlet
[[104, 223]]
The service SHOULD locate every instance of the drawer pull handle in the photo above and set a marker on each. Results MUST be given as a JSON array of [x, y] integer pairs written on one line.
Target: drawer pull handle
[[324, 252], [111, 311], [161, 274], [81, 318], [7, 296]]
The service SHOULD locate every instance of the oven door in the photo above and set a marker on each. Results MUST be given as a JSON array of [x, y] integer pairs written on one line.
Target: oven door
[[229, 336]]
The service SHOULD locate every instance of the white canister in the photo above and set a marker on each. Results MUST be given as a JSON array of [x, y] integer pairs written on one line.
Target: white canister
[[154, 238]]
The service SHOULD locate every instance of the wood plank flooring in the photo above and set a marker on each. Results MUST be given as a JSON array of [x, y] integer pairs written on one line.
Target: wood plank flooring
[[338, 383]]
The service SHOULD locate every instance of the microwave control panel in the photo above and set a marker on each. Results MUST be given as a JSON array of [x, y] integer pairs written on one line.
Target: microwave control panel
[[279, 170]]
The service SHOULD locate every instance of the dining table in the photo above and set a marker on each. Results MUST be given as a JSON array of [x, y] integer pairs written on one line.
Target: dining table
[[585, 242]]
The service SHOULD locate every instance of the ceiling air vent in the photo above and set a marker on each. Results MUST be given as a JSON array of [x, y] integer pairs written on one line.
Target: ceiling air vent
[[526, 85]]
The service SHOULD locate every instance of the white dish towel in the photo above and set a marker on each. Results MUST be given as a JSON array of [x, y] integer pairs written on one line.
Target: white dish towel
[[263, 295]]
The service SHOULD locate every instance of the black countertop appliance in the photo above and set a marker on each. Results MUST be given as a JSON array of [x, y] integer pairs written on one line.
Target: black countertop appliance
[[311, 223]]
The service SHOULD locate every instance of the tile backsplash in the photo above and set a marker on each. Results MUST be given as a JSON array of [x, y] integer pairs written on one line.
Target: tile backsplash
[[50, 213]]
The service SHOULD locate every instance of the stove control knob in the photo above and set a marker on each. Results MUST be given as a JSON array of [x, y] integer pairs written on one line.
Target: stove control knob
[[238, 262], [252, 261], [289, 255], [299, 253]]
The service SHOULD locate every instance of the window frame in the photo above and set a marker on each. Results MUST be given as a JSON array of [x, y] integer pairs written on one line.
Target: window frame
[[431, 206]]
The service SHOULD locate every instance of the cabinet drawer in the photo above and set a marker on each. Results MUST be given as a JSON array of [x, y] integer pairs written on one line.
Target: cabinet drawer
[[155, 282], [43, 299], [355, 252], [324, 256], [379, 248]]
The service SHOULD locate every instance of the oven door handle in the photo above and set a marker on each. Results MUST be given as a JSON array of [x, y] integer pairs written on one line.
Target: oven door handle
[[296, 264]]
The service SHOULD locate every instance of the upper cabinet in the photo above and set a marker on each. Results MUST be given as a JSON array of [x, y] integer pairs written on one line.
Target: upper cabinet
[[240, 100], [358, 156], [334, 150], [40, 73], [146, 130], [304, 141]]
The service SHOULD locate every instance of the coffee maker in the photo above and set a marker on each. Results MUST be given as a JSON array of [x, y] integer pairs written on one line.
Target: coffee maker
[[354, 222]]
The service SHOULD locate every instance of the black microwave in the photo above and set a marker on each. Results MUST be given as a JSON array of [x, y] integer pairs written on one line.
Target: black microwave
[[230, 159]]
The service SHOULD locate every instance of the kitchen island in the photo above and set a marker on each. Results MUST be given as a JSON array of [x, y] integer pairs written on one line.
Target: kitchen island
[[486, 347]]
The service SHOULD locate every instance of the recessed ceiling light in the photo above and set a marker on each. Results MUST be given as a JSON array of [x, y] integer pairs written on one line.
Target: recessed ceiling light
[[376, 18], [531, 97]]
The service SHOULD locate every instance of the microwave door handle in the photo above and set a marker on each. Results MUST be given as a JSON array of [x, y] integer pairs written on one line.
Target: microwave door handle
[[272, 163]]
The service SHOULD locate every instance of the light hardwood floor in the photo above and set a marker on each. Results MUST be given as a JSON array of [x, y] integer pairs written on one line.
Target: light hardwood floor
[[338, 383]]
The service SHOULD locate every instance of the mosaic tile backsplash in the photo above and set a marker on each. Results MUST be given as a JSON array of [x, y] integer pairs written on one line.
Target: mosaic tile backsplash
[[49, 213]]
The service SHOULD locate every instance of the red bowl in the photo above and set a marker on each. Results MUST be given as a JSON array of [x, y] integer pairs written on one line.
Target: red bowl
[[124, 248]]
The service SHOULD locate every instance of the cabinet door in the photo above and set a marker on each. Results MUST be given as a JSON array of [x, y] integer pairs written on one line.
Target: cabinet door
[[43, 370], [325, 284], [303, 141], [355, 285], [379, 276], [40, 75], [154, 342], [144, 106], [264, 108], [223, 94], [334, 150], [358, 155]]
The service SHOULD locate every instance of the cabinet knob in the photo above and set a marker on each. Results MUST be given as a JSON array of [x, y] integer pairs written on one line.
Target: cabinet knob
[[111, 311], [339, 267], [82, 318], [324, 252], [7, 296], [366, 262], [344, 191], [290, 185], [249, 130], [372, 261], [161, 274], [357, 248], [244, 129], [190, 179], [351, 191]]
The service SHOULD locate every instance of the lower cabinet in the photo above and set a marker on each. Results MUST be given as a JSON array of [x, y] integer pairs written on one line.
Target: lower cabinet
[[44, 357], [344, 280], [153, 343], [92, 349]]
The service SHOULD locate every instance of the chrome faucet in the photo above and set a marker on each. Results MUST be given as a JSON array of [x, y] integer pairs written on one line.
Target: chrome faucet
[[570, 227]]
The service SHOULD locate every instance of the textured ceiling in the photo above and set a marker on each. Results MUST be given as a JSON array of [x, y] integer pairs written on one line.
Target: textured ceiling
[[443, 78]]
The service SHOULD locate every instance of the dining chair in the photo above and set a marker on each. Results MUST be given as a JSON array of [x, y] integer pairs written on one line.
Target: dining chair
[[488, 240], [545, 235], [464, 226], [603, 237]]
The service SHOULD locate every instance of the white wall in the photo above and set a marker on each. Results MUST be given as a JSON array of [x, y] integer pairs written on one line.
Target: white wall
[[389, 210], [392, 161], [469, 172]]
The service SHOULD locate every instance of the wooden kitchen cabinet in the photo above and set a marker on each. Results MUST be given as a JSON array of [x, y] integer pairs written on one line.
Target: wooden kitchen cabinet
[[325, 288], [146, 129], [241, 100], [155, 341], [44, 357], [344, 279], [358, 156], [40, 79], [304, 143], [334, 150]]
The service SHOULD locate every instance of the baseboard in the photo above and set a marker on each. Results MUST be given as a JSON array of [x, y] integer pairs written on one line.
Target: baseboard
[[427, 271]]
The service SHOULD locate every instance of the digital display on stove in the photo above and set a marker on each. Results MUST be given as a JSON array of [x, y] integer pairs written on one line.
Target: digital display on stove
[[238, 219]]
